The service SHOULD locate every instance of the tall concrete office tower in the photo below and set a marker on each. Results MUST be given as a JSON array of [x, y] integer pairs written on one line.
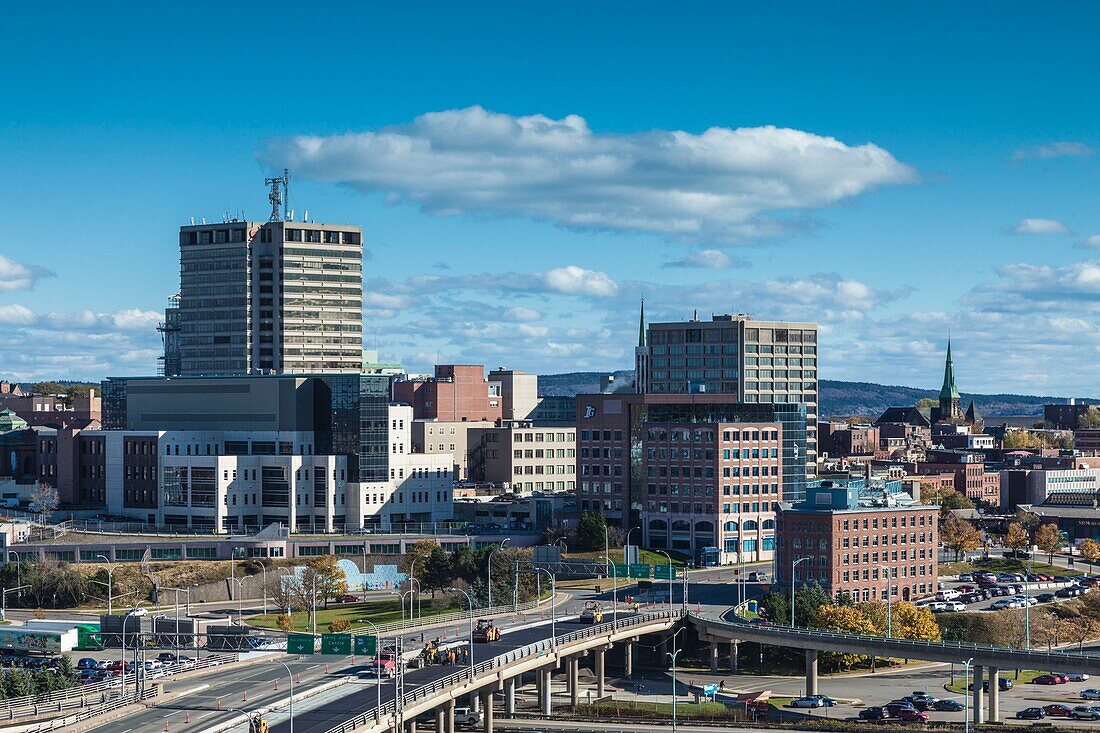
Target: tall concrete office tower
[[760, 361], [280, 296]]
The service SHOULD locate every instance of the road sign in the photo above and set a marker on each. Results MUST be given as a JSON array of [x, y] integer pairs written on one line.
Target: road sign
[[639, 570], [336, 644], [664, 572], [619, 570], [367, 645], [299, 644]]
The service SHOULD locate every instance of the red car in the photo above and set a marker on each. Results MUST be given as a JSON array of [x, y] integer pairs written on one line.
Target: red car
[[347, 598], [1058, 709], [1046, 679], [909, 715]]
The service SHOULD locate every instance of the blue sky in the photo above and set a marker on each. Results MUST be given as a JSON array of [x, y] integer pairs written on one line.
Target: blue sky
[[521, 183]]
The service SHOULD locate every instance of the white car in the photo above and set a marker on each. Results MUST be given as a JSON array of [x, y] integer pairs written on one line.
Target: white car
[[1004, 603], [1090, 694], [139, 611], [948, 595], [465, 716], [1025, 600], [1075, 676], [954, 606], [807, 702], [937, 606]]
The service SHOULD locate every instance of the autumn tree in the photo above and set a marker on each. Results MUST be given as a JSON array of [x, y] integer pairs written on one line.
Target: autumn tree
[[1090, 418], [284, 622], [847, 619], [959, 535], [915, 623], [1048, 538], [1090, 551], [875, 612], [331, 581], [807, 600], [1016, 538], [417, 557]]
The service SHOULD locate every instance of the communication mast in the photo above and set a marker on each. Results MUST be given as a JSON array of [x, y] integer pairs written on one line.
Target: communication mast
[[279, 198]]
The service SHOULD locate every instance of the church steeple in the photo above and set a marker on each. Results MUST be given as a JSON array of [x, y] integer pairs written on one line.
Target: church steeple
[[641, 326], [948, 390], [641, 356]]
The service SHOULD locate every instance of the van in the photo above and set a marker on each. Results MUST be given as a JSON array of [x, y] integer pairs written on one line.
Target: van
[[948, 595], [9, 503]]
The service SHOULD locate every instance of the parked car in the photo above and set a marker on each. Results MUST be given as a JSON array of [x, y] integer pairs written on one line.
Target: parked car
[[966, 577], [876, 714], [910, 715], [806, 702], [1018, 554], [758, 576], [467, 717], [948, 595], [948, 706], [1085, 712], [1058, 709], [1045, 597], [937, 606], [1003, 684], [347, 598], [964, 588], [922, 695], [86, 663], [1090, 694], [1025, 600], [1002, 604], [138, 612], [1045, 679], [1075, 676], [1031, 714], [1070, 591], [895, 708]]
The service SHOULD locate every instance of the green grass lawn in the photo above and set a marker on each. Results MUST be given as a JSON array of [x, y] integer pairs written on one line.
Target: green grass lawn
[[1007, 565], [1026, 676], [644, 556], [611, 708], [357, 614]]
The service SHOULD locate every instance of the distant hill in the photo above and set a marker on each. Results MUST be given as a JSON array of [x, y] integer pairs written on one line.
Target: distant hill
[[838, 399]]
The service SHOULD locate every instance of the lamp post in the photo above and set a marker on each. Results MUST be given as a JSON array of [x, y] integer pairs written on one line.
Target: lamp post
[[553, 613], [409, 592], [966, 697], [795, 562], [1027, 608], [124, 620], [18, 566], [889, 601], [672, 656], [627, 540], [263, 567], [240, 600], [110, 584], [471, 601], [377, 663], [489, 568], [4, 599], [669, 578], [614, 590], [291, 676]]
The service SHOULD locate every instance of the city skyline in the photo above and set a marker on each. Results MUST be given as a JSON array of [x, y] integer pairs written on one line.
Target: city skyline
[[515, 213]]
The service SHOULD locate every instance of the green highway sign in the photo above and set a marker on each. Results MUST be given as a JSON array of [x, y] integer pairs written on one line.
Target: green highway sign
[[639, 570], [619, 570], [664, 572], [336, 644], [299, 644], [367, 645]]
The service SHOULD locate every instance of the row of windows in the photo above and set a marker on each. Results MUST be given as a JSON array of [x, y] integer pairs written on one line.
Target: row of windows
[[314, 235], [540, 469]]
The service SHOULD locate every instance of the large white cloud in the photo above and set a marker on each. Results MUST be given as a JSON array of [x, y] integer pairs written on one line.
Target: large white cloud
[[17, 276], [721, 185], [577, 280]]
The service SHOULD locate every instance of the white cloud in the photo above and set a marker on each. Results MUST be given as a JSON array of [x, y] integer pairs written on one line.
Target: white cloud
[[1090, 242], [16, 315], [1063, 149], [722, 185], [17, 276], [132, 319], [1039, 226], [714, 259], [519, 313], [575, 280]]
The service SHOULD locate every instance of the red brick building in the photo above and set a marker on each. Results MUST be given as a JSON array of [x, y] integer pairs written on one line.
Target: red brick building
[[457, 392], [851, 539]]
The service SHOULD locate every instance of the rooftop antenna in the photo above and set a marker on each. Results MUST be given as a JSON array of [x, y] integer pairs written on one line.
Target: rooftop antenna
[[192, 221], [277, 197]]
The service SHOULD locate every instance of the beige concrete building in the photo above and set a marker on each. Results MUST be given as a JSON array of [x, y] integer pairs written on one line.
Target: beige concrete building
[[444, 437], [519, 392], [526, 456]]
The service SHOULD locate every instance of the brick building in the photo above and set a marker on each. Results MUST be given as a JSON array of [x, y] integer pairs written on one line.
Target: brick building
[[456, 392], [849, 534]]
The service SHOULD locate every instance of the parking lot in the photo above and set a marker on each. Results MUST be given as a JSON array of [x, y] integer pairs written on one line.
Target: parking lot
[[1007, 590]]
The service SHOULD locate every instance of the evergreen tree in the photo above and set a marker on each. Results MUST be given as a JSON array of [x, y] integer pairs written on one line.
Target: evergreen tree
[[591, 532]]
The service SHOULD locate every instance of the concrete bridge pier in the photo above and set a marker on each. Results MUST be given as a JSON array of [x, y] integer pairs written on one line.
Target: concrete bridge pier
[[733, 657], [628, 659], [410, 726], [811, 672], [714, 657], [449, 716], [994, 677], [599, 664], [543, 683], [976, 701], [440, 720], [475, 702], [572, 665], [487, 704], [510, 697]]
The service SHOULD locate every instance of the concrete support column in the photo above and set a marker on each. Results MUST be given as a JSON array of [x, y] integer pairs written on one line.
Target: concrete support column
[[449, 716], [510, 697], [628, 659], [714, 657], [733, 657], [544, 688], [440, 720], [976, 700], [410, 726], [487, 704], [571, 680], [811, 672], [993, 675], [475, 702], [599, 672]]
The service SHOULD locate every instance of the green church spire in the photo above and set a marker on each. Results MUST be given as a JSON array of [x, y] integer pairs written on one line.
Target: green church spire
[[948, 390], [641, 326]]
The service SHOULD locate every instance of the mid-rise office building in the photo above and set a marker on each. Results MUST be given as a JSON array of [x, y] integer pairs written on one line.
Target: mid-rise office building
[[455, 392], [525, 456], [859, 538], [767, 362]]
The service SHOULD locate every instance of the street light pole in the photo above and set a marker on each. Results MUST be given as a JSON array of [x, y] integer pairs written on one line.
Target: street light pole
[[110, 584], [553, 613], [889, 601], [377, 662], [471, 601], [966, 695], [672, 656], [240, 600], [669, 578], [291, 676], [263, 567], [1027, 608], [614, 589], [795, 562]]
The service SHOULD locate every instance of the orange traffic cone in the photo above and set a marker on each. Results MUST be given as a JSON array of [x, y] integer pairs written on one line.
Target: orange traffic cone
[[218, 703], [298, 678], [186, 716], [276, 683], [244, 696], [166, 726]]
